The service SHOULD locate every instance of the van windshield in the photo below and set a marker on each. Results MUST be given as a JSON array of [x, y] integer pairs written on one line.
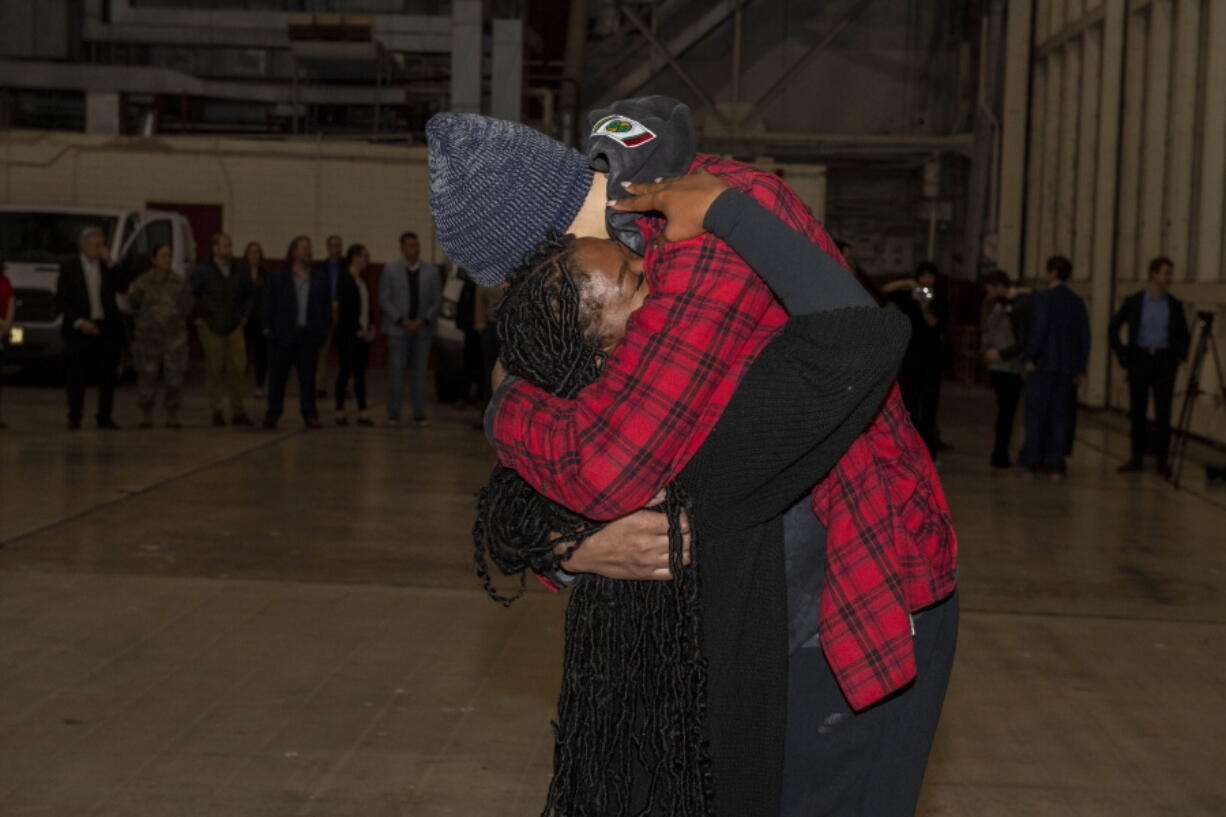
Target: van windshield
[[47, 238]]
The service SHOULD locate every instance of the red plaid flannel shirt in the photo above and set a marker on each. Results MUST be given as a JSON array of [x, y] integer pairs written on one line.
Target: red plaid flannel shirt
[[890, 545]]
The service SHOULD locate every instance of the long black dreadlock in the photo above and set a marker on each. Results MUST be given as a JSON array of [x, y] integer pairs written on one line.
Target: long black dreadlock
[[631, 734]]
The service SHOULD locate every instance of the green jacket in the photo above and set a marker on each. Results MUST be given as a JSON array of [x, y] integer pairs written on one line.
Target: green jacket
[[222, 301], [160, 305]]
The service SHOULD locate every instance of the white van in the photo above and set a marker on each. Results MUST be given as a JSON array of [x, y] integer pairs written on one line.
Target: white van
[[35, 239]]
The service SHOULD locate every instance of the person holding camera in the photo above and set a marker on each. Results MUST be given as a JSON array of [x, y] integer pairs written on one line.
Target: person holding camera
[[919, 378], [1158, 341], [1002, 340]]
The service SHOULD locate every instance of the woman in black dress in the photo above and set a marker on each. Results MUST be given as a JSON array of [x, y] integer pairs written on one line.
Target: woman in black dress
[[355, 332], [253, 331]]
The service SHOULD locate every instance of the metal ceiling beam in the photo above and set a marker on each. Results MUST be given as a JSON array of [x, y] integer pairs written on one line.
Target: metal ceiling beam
[[151, 80], [781, 84], [638, 76], [672, 61], [251, 29]]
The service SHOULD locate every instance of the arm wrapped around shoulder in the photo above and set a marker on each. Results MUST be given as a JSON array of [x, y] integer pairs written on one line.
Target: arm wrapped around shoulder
[[803, 402]]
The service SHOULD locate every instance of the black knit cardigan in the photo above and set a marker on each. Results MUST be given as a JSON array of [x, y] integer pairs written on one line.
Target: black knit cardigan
[[799, 407]]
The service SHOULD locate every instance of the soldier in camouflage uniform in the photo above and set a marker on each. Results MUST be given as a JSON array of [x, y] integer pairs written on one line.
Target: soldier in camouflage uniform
[[161, 301]]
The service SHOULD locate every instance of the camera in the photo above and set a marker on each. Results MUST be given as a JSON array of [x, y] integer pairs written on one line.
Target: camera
[[923, 294]]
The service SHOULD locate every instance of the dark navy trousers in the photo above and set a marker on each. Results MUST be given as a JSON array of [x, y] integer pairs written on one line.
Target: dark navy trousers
[[1050, 400]]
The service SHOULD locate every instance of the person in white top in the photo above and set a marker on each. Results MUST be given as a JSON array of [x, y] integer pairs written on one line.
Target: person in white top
[[93, 333], [354, 333]]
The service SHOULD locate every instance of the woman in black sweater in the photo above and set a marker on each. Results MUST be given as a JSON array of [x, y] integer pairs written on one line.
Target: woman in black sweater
[[674, 694], [355, 332], [253, 330]]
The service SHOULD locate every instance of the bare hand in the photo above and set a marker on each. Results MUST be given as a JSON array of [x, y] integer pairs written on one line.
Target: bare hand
[[412, 325], [633, 547], [684, 201], [105, 255], [90, 328], [1030, 368], [991, 355]]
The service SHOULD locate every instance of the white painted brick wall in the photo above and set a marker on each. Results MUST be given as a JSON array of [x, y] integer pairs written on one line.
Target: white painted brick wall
[[269, 191]]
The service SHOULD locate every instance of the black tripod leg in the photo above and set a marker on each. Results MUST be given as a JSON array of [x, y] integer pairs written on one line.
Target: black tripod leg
[[1179, 445], [1205, 344]]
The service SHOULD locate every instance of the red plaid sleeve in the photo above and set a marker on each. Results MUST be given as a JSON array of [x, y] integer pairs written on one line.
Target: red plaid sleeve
[[607, 452]]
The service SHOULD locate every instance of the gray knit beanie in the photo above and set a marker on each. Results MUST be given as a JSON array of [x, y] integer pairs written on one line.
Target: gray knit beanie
[[496, 189]]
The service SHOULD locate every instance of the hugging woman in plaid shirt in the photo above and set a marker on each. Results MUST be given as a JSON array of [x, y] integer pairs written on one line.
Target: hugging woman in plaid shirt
[[798, 666]]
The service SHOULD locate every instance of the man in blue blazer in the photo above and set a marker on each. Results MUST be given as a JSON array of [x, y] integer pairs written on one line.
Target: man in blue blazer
[[1057, 351], [297, 315], [410, 295], [1158, 341]]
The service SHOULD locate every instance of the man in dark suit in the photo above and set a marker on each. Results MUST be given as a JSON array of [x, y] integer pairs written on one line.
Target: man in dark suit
[[1157, 343], [1057, 351], [92, 328], [297, 315]]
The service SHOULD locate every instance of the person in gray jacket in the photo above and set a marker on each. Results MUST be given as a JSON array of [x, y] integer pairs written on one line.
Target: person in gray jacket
[[410, 295], [1002, 342]]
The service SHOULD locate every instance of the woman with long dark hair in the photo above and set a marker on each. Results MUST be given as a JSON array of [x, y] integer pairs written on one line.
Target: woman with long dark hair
[[297, 314], [354, 334], [253, 331]]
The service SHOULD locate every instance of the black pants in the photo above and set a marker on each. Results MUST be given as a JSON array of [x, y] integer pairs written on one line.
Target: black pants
[[257, 350], [473, 365], [489, 356], [1051, 405], [302, 353], [921, 392], [1008, 388], [352, 355], [870, 763], [1151, 373], [92, 359]]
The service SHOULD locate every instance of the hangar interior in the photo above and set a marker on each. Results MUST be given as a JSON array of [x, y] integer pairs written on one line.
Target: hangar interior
[[218, 621]]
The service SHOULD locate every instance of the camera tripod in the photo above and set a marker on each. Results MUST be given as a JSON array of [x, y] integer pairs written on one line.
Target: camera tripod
[[1205, 346]]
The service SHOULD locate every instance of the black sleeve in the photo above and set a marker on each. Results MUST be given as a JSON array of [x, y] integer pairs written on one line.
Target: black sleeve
[[802, 275], [63, 301], [247, 293], [1181, 337], [1113, 330], [270, 303], [802, 403]]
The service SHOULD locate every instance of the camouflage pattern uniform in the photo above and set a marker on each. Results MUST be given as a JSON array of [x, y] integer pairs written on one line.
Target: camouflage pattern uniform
[[160, 305]]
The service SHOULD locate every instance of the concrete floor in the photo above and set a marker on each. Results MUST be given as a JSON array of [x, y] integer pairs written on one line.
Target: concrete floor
[[231, 622]]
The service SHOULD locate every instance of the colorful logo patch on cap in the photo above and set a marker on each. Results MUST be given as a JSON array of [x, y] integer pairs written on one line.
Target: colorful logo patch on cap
[[629, 133]]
